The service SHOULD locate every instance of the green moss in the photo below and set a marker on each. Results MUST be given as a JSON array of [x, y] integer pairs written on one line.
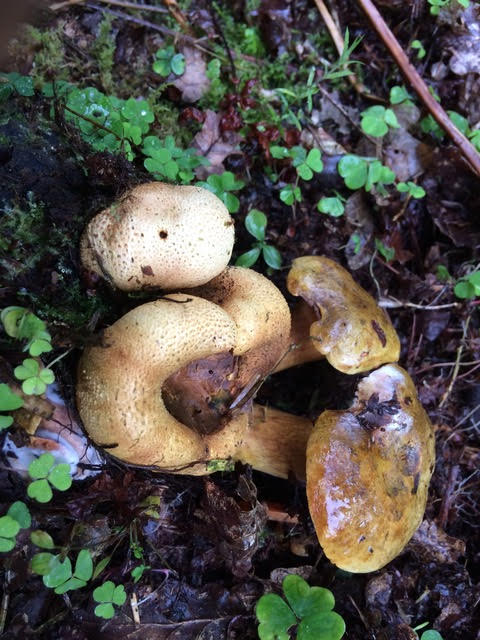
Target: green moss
[[49, 61], [103, 51]]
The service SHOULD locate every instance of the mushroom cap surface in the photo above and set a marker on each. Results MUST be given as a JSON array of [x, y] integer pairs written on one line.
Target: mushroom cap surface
[[159, 235], [119, 387], [351, 331], [368, 470]]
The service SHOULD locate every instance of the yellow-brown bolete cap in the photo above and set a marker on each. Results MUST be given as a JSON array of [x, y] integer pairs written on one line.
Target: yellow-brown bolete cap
[[348, 327], [368, 470], [159, 235]]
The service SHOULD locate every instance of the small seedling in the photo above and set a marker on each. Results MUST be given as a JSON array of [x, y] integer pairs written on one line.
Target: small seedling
[[138, 571], [436, 5], [309, 607], [166, 160], [306, 164], [108, 595], [387, 252], [290, 194], [22, 324], [256, 223], [9, 401], [377, 119], [35, 380], [222, 185], [399, 95], [411, 189], [332, 206], [167, 62], [44, 473], [468, 287], [17, 517], [359, 172], [419, 48]]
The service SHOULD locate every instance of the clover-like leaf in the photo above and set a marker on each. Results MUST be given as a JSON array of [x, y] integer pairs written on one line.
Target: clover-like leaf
[[37, 347], [83, 565], [331, 206], [322, 626], [353, 170], [314, 160], [28, 369], [5, 422], [42, 539], [70, 585], [60, 477], [19, 511], [104, 593], [306, 600], [40, 491], [60, 571], [105, 610], [9, 401], [41, 563], [40, 467], [275, 617], [8, 527], [119, 595]]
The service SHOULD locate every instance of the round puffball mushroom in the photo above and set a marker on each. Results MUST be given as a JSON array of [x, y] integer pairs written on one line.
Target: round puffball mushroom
[[368, 470], [159, 236], [347, 327]]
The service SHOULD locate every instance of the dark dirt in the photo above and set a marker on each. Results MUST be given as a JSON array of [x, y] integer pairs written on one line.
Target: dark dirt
[[214, 545]]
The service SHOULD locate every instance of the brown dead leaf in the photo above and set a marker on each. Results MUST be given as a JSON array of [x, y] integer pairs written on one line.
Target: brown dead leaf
[[214, 145], [194, 83], [432, 544]]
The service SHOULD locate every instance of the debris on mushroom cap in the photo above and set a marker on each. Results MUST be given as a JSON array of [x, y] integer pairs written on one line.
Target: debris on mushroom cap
[[260, 313], [119, 384], [368, 470], [59, 435], [159, 235], [351, 331]]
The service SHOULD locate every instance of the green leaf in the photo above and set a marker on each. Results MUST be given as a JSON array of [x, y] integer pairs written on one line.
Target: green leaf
[[373, 121], [8, 527], [314, 160], [40, 490], [442, 273], [387, 252], [322, 626], [38, 347], [275, 617], [42, 539], [119, 595], [19, 512], [474, 279], [399, 95], [354, 171], [34, 386], [255, 222], [279, 153], [231, 202], [391, 119], [47, 376], [9, 401], [431, 635], [7, 544], [41, 563], [28, 369], [104, 593], [60, 477], [40, 467], [101, 566], [304, 172], [248, 258], [105, 611], [272, 256], [60, 572], [70, 585], [5, 422], [177, 64], [464, 290], [137, 572], [11, 318], [306, 600], [459, 121], [84, 565], [331, 206]]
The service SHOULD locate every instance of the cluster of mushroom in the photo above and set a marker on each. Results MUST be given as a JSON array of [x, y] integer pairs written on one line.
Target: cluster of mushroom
[[171, 385]]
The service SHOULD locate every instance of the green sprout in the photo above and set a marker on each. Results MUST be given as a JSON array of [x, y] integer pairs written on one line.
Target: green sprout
[[167, 61], [419, 48], [376, 121], [399, 95], [108, 595], [222, 185], [359, 172], [468, 287], [308, 607], [411, 189], [256, 223], [332, 206], [387, 252], [44, 473], [166, 160], [17, 517], [290, 194]]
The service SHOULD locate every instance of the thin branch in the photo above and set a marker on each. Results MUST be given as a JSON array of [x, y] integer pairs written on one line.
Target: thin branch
[[118, 3], [468, 150]]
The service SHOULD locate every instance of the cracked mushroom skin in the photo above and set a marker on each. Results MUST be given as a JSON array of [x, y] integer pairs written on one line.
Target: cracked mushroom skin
[[348, 327], [368, 470], [159, 236]]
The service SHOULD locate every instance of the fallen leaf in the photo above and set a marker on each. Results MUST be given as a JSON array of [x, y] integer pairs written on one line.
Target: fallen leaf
[[214, 145], [193, 84]]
